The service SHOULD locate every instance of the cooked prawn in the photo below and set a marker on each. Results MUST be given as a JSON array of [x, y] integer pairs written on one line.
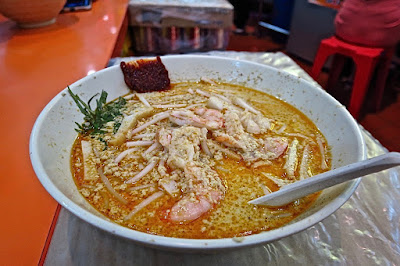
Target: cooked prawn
[[275, 146], [189, 209], [204, 190], [201, 117]]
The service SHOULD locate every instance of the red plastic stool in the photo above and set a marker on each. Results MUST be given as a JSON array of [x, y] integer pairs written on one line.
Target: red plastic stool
[[365, 59]]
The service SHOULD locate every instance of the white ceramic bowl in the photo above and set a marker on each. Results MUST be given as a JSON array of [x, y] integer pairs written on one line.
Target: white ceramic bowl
[[53, 134]]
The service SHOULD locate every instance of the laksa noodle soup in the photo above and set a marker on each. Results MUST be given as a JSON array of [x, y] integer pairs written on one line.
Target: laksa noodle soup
[[184, 162]]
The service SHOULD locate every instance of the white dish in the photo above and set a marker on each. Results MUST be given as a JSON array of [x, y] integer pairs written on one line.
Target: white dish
[[53, 135]]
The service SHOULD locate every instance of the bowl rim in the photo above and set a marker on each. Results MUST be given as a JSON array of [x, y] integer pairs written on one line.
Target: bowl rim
[[183, 244]]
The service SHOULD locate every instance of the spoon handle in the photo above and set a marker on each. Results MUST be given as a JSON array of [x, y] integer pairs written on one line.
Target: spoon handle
[[319, 182]]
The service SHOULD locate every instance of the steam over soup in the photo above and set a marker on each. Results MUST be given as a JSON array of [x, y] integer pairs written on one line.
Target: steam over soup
[[185, 162]]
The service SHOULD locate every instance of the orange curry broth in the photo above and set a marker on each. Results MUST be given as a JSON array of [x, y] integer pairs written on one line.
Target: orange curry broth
[[230, 217]]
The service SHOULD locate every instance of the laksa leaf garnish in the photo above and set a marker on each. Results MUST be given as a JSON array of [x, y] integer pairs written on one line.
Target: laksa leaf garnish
[[95, 120]]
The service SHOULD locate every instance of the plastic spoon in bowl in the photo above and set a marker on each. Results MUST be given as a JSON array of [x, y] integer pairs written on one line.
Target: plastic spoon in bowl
[[319, 182]]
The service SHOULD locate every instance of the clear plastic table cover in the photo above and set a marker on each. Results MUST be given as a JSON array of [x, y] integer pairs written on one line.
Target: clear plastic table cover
[[364, 231]]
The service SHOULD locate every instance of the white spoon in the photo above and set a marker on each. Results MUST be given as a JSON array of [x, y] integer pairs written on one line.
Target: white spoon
[[319, 182]]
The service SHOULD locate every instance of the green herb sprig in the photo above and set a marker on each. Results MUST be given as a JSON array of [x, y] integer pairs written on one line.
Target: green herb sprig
[[95, 120]]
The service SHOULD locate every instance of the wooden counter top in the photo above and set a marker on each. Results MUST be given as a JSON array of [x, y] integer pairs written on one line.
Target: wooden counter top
[[35, 64]]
